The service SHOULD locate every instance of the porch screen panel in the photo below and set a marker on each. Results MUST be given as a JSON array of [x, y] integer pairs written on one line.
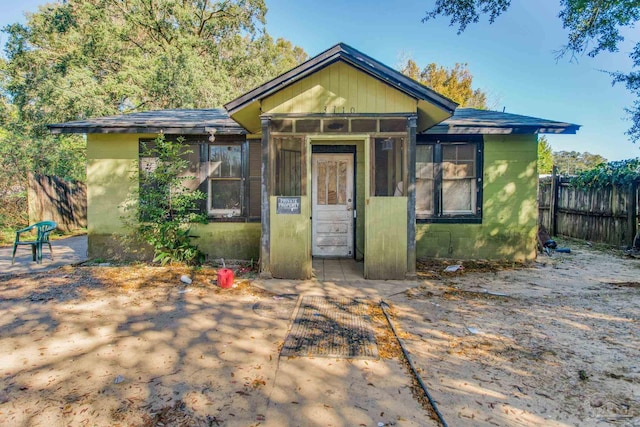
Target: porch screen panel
[[389, 167], [289, 169], [458, 178]]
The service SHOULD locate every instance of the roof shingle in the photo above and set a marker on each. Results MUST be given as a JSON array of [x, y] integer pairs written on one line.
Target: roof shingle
[[185, 122], [474, 121]]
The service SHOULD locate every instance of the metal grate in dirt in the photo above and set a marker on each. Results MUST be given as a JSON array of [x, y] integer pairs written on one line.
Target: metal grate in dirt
[[331, 327]]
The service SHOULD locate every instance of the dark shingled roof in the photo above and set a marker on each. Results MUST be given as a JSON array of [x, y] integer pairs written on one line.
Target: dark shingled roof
[[198, 122], [474, 121], [183, 122], [352, 56]]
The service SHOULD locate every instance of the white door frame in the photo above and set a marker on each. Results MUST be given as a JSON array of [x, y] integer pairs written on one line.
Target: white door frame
[[332, 226]]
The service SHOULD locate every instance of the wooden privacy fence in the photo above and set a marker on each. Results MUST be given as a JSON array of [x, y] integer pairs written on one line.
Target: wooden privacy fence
[[52, 198], [606, 215]]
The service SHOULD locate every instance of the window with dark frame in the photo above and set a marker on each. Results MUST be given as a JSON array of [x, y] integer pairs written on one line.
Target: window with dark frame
[[227, 171], [234, 174], [448, 180]]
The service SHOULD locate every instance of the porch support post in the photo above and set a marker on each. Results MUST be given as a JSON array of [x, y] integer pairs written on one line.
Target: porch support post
[[411, 194], [265, 237]]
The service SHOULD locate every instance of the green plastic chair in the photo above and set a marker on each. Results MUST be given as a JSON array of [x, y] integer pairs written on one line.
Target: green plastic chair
[[43, 229]]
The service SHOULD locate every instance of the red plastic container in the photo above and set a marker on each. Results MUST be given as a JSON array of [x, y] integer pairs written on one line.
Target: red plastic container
[[225, 278]]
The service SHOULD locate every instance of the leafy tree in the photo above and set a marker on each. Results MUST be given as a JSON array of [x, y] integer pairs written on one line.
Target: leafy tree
[[464, 12], [455, 83], [75, 59], [594, 27], [545, 156], [618, 173], [573, 162], [163, 209], [82, 58], [13, 209]]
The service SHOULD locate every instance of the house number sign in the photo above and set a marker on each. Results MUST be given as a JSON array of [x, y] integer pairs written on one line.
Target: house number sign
[[288, 205]]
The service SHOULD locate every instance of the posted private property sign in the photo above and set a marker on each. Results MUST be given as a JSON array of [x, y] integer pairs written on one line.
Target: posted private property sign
[[288, 205]]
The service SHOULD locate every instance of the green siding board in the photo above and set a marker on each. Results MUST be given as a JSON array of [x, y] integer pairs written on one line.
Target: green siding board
[[344, 84], [111, 162], [386, 238], [337, 88], [291, 242], [216, 240], [353, 88]]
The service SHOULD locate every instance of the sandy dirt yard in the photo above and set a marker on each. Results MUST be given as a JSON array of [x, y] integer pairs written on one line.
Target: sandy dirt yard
[[556, 343], [131, 346]]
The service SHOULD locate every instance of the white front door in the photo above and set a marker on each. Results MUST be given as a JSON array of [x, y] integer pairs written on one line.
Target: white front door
[[332, 205]]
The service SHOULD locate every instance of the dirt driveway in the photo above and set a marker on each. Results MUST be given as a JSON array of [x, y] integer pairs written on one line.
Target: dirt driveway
[[555, 344]]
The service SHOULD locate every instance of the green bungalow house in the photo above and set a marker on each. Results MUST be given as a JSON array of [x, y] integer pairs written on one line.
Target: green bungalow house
[[341, 156]]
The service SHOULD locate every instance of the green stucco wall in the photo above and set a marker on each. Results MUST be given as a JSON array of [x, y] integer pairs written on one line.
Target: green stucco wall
[[507, 231], [229, 240], [509, 220], [111, 162]]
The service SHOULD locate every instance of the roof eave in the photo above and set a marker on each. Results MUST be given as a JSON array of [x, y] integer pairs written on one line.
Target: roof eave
[[502, 130], [58, 129]]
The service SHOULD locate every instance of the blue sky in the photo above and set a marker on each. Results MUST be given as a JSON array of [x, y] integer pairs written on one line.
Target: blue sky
[[513, 60]]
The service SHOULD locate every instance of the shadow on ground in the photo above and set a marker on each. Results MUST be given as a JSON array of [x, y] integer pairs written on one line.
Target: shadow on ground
[[133, 346]]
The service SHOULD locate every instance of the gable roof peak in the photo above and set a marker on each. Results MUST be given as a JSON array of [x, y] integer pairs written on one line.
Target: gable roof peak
[[343, 52]]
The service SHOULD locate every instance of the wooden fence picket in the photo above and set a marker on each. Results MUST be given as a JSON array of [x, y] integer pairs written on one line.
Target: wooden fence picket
[[52, 198], [606, 215]]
